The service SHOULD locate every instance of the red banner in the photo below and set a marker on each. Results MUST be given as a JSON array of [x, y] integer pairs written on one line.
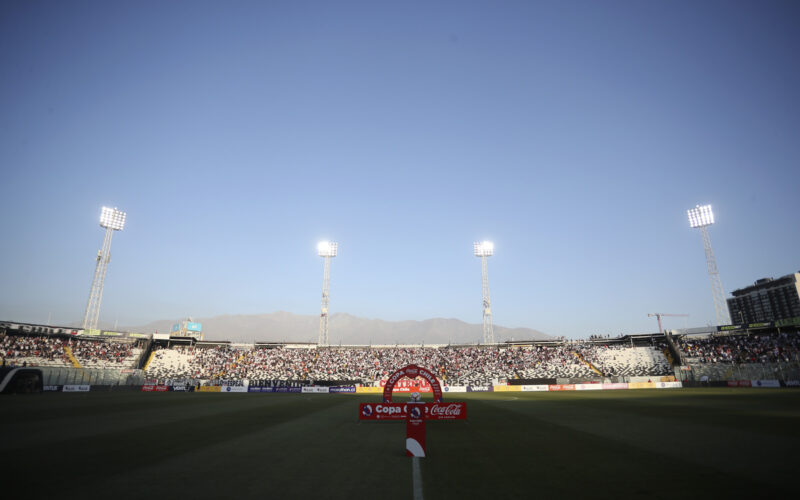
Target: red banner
[[399, 411], [155, 388], [562, 387], [408, 385]]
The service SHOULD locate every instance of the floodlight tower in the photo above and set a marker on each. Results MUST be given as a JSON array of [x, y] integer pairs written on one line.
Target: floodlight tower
[[326, 250], [702, 217], [112, 220], [483, 250]]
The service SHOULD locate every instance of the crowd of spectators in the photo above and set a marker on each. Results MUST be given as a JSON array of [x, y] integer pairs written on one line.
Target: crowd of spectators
[[475, 365], [52, 351], [17, 350], [742, 349], [92, 354], [454, 365]]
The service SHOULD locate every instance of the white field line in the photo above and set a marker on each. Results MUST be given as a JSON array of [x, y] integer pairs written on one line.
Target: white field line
[[417, 478]]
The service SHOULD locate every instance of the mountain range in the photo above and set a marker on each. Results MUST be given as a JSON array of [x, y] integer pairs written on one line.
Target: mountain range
[[343, 329]]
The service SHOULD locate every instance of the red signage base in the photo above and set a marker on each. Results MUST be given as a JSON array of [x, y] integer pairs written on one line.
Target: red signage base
[[415, 413]]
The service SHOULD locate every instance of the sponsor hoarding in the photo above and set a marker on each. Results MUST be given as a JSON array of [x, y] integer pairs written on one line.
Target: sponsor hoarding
[[313, 389], [208, 388], [51, 388], [233, 388], [194, 327], [76, 388], [793, 383], [507, 388], [455, 388], [342, 389], [618, 385], [479, 388], [561, 387], [588, 387], [765, 383], [535, 388], [369, 390], [399, 411], [641, 385]]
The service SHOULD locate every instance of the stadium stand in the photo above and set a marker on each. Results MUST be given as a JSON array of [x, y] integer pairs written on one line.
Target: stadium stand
[[455, 365], [695, 356], [54, 352]]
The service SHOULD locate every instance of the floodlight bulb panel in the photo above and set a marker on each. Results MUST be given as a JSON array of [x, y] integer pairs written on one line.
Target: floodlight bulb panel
[[112, 218], [484, 249], [327, 248], [700, 216]]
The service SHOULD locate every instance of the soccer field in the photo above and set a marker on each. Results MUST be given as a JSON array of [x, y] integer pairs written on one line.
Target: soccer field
[[683, 443]]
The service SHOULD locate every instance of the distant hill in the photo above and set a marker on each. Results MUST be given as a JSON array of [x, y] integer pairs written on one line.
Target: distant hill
[[344, 329]]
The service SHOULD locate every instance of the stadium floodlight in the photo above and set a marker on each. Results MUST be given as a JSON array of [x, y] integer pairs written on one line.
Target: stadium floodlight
[[326, 250], [485, 249], [112, 220], [701, 217]]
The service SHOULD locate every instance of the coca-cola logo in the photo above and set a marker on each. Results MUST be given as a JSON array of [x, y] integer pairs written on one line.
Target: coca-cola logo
[[449, 410]]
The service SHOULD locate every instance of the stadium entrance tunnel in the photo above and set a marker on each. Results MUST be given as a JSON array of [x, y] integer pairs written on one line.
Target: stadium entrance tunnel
[[21, 380], [412, 372]]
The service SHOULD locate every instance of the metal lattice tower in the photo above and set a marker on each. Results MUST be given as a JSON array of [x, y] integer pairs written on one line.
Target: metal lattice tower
[[326, 250], [702, 217], [112, 220], [484, 250]]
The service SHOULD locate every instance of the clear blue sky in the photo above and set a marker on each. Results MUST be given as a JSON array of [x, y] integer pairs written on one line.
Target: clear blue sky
[[575, 135]]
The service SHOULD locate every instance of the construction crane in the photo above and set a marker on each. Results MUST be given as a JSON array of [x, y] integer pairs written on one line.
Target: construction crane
[[658, 316]]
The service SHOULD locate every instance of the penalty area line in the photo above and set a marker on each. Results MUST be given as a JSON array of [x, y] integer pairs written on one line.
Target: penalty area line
[[416, 475]]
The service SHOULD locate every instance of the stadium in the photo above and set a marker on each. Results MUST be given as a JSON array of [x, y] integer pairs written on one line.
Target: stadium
[[397, 151], [654, 415]]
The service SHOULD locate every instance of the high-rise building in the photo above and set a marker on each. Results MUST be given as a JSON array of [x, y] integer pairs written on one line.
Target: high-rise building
[[767, 299]]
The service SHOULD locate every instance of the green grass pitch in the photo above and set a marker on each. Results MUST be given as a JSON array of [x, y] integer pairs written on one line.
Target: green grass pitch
[[682, 443]]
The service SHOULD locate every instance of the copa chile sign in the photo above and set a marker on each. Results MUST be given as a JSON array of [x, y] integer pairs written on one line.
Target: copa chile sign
[[415, 413], [399, 411]]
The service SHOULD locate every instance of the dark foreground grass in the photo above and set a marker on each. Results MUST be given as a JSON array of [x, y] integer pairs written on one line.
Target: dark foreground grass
[[684, 443]]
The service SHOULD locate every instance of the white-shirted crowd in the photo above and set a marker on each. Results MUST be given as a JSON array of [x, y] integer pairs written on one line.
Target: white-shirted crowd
[[465, 365], [454, 365]]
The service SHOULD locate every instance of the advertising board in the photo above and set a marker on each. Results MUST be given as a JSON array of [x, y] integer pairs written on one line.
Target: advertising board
[[233, 388], [455, 388], [313, 389], [507, 388], [399, 411], [369, 390], [535, 388], [588, 387], [76, 388], [342, 389], [765, 383]]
